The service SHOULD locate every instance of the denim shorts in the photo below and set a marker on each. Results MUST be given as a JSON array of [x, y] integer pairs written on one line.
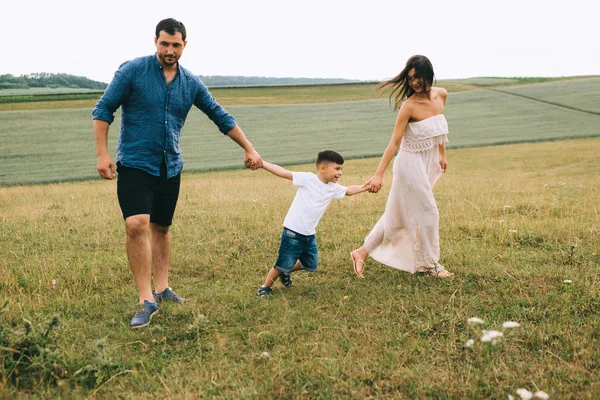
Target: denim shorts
[[294, 247]]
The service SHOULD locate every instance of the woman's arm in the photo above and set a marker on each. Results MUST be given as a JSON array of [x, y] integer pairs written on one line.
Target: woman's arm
[[374, 184], [443, 161]]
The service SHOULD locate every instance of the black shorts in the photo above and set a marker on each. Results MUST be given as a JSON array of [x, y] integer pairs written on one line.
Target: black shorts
[[142, 193]]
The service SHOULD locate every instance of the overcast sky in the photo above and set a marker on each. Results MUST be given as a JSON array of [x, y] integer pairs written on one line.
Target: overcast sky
[[360, 39]]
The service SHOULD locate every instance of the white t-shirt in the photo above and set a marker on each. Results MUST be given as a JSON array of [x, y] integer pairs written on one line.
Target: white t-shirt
[[312, 198]]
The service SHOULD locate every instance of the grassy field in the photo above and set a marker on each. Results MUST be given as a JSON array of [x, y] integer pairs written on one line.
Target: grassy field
[[579, 94], [236, 96], [54, 145], [516, 222]]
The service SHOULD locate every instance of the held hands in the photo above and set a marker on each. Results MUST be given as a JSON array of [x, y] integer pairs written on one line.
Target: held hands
[[374, 184], [105, 167], [252, 160]]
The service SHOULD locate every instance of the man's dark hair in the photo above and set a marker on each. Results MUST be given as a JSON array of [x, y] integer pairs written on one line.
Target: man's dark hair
[[171, 26], [327, 156]]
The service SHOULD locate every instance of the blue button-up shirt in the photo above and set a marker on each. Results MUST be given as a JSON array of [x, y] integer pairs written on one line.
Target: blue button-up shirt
[[152, 113]]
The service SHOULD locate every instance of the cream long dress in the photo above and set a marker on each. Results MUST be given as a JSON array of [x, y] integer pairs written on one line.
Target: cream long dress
[[406, 236]]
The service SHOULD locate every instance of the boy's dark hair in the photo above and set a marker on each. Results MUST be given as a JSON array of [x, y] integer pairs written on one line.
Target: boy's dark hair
[[171, 26], [327, 156]]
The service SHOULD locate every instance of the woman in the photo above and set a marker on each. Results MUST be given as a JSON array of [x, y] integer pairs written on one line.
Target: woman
[[406, 237]]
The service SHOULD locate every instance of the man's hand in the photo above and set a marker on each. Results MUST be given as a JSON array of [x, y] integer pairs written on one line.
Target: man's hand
[[105, 167], [252, 160]]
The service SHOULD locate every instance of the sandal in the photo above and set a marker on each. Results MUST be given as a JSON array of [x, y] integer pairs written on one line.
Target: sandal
[[358, 271], [439, 271]]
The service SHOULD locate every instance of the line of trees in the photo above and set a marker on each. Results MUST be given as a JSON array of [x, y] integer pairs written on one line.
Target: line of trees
[[44, 79], [47, 80]]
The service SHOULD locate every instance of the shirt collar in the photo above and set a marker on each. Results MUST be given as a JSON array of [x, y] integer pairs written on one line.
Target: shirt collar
[[158, 64]]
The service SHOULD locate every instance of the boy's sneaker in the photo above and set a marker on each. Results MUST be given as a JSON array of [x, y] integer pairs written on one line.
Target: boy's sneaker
[[285, 279], [144, 314], [264, 291], [168, 295]]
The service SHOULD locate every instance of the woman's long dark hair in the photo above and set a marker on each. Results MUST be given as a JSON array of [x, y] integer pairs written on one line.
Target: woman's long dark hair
[[401, 90]]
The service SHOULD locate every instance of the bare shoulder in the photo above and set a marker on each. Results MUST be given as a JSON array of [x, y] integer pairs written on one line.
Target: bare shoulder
[[408, 106], [441, 92]]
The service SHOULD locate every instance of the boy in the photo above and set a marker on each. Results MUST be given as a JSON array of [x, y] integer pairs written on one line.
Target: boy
[[298, 248]]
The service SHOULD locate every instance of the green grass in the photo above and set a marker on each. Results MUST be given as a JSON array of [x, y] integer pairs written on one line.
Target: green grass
[[516, 221]]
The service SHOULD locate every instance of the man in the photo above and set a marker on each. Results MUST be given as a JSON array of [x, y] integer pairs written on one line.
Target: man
[[155, 94]]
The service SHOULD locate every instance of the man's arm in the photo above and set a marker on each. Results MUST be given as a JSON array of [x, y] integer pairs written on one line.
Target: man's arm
[[356, 189], [252, 159], [105, 165], [277, 170]]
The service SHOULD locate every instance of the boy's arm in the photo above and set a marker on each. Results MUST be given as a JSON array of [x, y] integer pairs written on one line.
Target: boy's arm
[[356, 189], [277, 170]]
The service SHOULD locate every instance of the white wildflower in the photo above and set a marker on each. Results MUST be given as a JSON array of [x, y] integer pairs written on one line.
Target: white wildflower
[[491, 336], [53, 282], [524, 394], [265, 354], [541, 395], [202, 318], [511, 324], [567, 281], [469, 343], [512, 230], [475, 320], [506, 207]]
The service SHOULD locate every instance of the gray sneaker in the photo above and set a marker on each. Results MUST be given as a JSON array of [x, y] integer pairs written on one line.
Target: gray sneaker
[[144, 314], [168, 295]]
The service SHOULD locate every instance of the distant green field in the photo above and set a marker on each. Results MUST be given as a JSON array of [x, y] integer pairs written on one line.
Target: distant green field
[[31, 99], [581, 94], [500, 81], [41, 146]]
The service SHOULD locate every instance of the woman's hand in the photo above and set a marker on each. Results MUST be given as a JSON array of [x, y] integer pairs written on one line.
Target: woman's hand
[[443, 164], [374, 184]]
